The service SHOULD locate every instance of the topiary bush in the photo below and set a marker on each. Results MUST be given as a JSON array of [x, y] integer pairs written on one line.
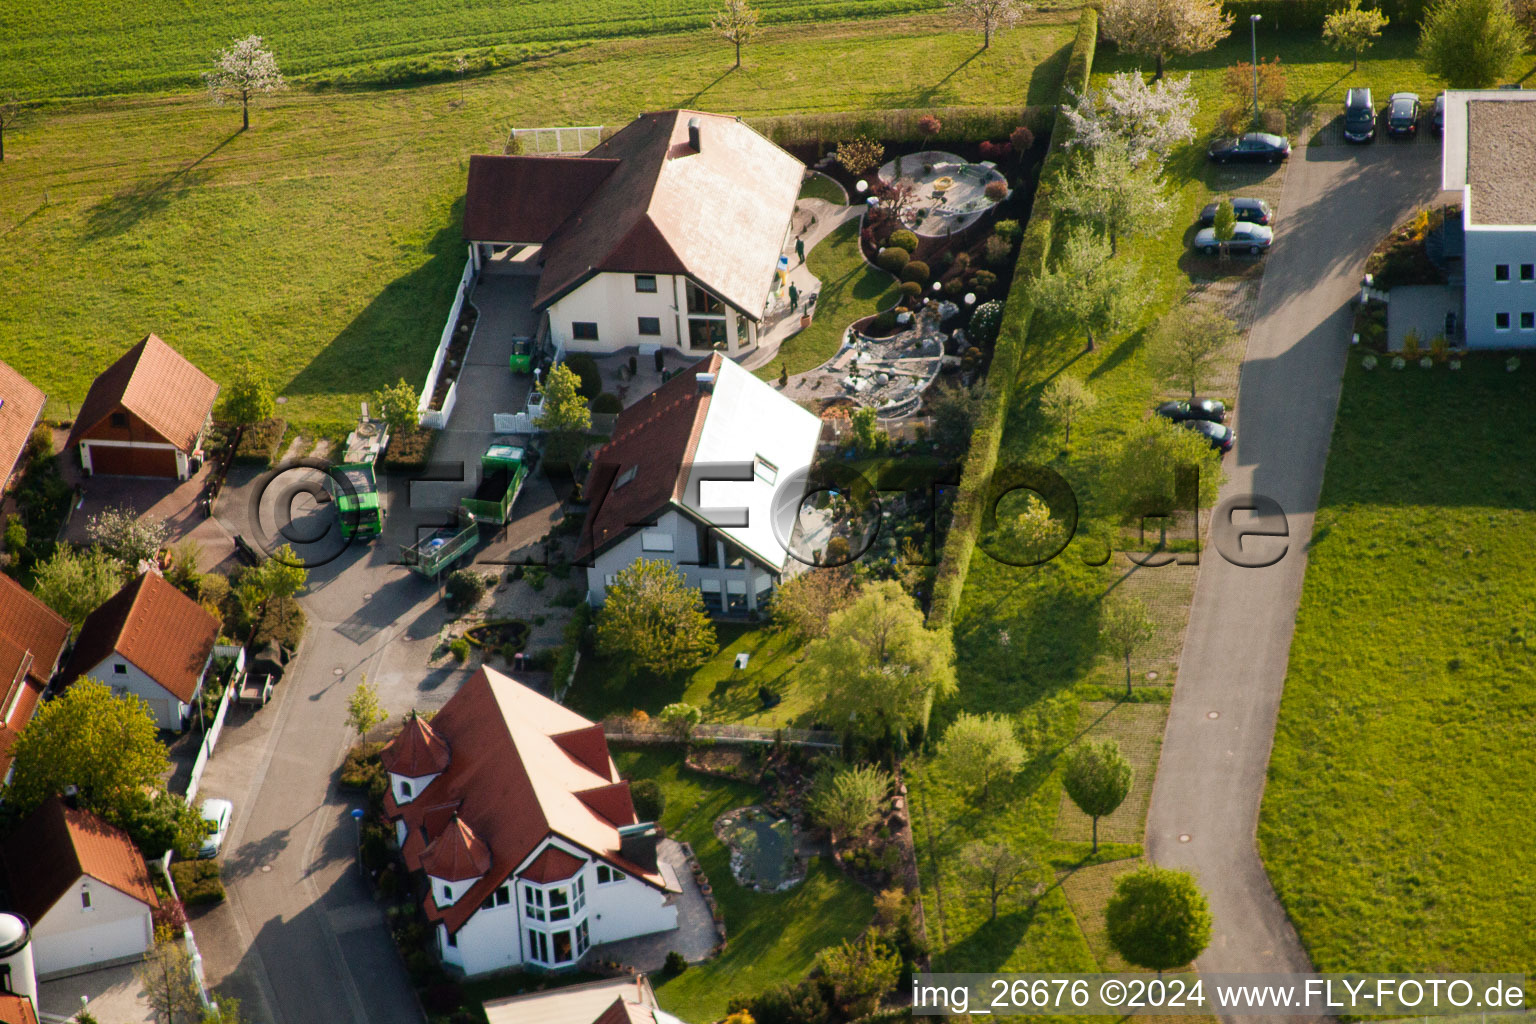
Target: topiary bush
[[903, 239], [585, 367], [607, 402], [997, 191], [985, 323], [885, 320], [915, 270], [648, 799], [463, 588], [892, 259], [910, 290], [676, 963]]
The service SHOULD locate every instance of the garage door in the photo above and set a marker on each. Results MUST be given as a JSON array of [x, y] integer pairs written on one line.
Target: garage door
[[111, 460], [93, 944]]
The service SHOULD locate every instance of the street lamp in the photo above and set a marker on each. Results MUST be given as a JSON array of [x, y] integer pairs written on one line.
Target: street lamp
[[357, 819], [1253, 32]]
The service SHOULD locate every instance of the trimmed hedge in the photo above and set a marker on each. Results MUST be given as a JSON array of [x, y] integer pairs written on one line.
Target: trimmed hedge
[[198, 882], [959, 124], [259, 441], [987, 432]]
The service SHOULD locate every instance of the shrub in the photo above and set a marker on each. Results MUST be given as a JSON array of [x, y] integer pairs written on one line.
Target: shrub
[[1008, 229], [1021, 138], [982, 281], [892, 259], [463, 589], [997, 190], [885, 320], [676, 963], [648, 799], [40, 443], [362, 769], [409, 448], [995, 150], [915, 270], [954, 287], [929, 125], [198, 882], [1274, 120], [459, 648], [902, 238], [985, 323], [997, 250], [444, 997], [607, 402], [910, 290], [258, 444], [585, 367]]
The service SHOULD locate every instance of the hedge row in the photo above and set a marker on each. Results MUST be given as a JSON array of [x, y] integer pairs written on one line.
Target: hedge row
[[958, 124], [198, 882], [1308, 15], [987, 434], [259, 441]]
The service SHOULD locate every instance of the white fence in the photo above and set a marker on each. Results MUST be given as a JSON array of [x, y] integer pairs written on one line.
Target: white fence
[[555, 140], [437, 419], [211, 737]]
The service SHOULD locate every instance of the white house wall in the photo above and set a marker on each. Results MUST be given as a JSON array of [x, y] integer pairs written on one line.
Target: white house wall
[[71, 938], [611, 301], [169, 711], [684, 531], [1486, 297], [622, 910]]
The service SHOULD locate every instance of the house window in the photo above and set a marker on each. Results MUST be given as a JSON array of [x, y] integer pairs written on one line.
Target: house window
[[453, 941], [504, 895], [538, 946], [1528, 321], [559, 904], [700, 301], [645, 283], [714, 600], [580, 890], [533, 903], [656, 540], [120, 670], [447, 894], [766, 471], [709, 555], [119, 419], [1528, 271], [85, 899], [736, 597], [405, 789], [625, 477], [606, 874], [562, 950], [1501, 321], [706, 335], [1501, 271], [581, 938], [583, 331], [650, 325]]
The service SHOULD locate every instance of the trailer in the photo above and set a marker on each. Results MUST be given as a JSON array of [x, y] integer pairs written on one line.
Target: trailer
[[503, 469], [354, 484], [438, 550], [261, 675]]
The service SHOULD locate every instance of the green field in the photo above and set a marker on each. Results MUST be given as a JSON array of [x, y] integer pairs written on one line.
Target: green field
[[324, 243], [1396, 820]]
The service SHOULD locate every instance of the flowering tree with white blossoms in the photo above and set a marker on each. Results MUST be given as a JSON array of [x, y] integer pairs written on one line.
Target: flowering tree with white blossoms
[[1132, 115], [245, 70], [989, 15]]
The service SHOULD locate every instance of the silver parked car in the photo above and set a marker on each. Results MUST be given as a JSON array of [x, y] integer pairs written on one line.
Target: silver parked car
[[1249, 238], [217, 813]]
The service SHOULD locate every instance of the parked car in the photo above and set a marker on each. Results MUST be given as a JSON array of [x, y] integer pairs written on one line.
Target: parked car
[[1221, 437], [1200, 409], [1252, 148], [1250, 238], [1437, 119], [1403, 114], [1359, 116], [218, 813], [1250, 211]]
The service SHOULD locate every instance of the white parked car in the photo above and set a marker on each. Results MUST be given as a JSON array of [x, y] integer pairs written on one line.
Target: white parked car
[[1249, 238], [217, 812]]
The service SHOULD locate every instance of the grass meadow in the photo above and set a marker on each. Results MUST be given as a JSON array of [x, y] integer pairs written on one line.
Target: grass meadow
[[1394, 820], [325, 242]]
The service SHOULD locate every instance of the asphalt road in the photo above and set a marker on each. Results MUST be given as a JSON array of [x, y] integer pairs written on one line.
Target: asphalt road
[[1336, 205]]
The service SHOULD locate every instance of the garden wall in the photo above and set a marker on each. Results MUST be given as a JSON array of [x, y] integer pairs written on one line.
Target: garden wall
[[987, 433], [437, 419]]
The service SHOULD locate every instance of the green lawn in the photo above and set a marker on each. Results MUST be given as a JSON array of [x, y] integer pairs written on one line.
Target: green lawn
[[850, 289], [324, 244], [819, 186], [1397, 813], [769, 937]]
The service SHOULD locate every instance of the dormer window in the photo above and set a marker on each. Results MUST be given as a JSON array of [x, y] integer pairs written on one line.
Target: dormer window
[[625, 477], [405, 790], [447, 894]]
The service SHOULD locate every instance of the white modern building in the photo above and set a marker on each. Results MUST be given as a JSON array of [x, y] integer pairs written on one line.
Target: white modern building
[[707, 473], [623, 1000], [666, 234], [511, 807], [1488, 156]]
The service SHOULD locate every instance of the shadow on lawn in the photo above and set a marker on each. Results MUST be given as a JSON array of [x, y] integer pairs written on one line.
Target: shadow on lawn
[[988, 947], [395, 334], [925, 97], [116, 214]]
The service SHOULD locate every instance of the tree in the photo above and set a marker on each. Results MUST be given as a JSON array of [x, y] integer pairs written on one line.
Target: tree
[[879, 668], [652, 618], [1142, 473], [847, 801], [1188, 340], [460, 67], [168, 979], [1034, 534], [250, 396], [1164, 28], [736, 20], [860, 973], [680, 719], [109, 747], [398, 405], [979, 750], [127, 536], [1158, 918], [1124, 630], [282, 576], [954, 408], [1132, 115], [1065, 400], [803, 604], [859, 155], [1119, 197], [869, 438], [988, 15], [244, 71], [1525, 16], [1097, 777], [1470, 43], [1237, 80], [1352, 30], [364, 709], [1225, 224], [13, 114], [76, 582], [994, 868], [157, 822], [1087, 290], [565, 410]]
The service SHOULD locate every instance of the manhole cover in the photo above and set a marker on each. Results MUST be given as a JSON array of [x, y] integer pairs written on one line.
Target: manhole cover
[[1151, 675], [268, 867], [1213, 714], [338, 671], [1184, 838]]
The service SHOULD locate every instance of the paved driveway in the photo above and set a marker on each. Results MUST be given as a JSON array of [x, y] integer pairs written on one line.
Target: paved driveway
[[1337, 204]]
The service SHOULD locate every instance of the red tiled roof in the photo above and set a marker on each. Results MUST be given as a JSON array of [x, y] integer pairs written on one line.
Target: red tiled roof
[[18, 697], [56, 845], [161, 631], [613, 804], [656, 436], [33, 626], [157, 385], [417, 751], [457, 854], [16, 1009], [512, 783], [525, 198], [21, 403], [553, 865]]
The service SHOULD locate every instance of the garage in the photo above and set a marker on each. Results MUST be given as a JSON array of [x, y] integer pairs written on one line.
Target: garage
[[120, 460]]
